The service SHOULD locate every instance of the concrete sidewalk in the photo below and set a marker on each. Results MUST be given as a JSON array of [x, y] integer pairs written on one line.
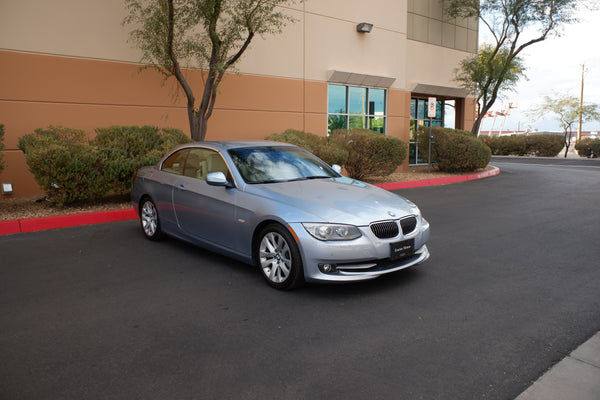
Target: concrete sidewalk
[[576, 377]]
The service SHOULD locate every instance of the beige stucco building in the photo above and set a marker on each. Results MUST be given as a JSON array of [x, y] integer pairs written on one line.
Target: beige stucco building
[[69, 63]]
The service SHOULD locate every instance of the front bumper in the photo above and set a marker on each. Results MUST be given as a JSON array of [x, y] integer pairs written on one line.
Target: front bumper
[[364, 258]]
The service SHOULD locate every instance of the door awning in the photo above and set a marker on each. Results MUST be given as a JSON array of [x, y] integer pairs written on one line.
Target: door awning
[[439, 91], [354, 78]]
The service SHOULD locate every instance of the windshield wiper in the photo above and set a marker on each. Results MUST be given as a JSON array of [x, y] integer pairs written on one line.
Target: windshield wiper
[[268, 181], [302, 178]]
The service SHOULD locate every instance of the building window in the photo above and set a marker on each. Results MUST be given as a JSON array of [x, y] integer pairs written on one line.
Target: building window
[[351, 107], [428, 23], [418, 117]]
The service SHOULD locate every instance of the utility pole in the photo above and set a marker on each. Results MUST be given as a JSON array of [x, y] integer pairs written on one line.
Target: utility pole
[[580, 105]]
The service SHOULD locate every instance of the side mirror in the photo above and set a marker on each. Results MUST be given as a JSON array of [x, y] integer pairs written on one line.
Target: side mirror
[[337, 168], [218, 179]]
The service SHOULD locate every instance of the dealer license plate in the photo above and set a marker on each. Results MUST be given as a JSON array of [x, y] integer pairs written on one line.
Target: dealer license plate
[[403, 249]]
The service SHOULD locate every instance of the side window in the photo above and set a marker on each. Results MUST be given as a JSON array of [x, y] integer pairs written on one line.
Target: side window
[[174, 164], [201, 162]]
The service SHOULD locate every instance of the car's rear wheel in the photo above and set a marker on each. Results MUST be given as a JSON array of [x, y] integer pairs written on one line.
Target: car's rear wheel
[[278, 257], [150, 221]]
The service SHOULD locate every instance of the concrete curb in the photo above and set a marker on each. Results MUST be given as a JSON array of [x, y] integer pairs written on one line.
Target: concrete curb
[[63, 221]]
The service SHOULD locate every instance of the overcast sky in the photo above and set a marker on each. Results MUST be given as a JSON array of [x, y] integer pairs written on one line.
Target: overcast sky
[[555, 65]]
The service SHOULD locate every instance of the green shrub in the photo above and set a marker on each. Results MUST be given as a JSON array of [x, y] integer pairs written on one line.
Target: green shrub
[[455, 150], [64, 164], [1, 147], [70, 168], [522, 145], [588, 148], [508, 145], [595, 145], [326, 149], [584, 148], [544, 145], [306, 140], [125, 149], [362, 152], [370, 153]]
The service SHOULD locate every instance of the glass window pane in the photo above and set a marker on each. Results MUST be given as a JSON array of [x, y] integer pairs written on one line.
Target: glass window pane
[[439, 109], [336, 102], [413, 130], [336, 122], [376, 101], [377, 124], [422, 109], [412, 153], [358, 100], [413, 108], [357, 122], [174, 164], [449, 114]]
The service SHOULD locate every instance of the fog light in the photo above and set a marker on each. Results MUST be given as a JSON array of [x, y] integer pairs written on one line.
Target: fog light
[[327, 268]]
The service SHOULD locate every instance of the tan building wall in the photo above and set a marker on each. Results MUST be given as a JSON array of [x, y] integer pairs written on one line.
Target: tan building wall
[[68, 63]]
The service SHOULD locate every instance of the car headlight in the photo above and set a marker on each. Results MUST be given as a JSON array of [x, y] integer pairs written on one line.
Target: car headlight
[[332, 231]]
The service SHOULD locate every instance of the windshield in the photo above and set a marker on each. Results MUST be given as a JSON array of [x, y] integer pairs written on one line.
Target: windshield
[[278, 164]]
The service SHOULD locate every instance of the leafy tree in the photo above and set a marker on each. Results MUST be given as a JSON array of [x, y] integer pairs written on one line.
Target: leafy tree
[[566, 108], [208, 34], [513, 25], [486, 69]]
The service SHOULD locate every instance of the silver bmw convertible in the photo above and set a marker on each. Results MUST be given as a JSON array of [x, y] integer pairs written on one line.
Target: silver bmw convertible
[[281, 208]]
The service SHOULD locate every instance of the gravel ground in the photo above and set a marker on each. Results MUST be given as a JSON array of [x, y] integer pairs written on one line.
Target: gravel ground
[[37, 206]]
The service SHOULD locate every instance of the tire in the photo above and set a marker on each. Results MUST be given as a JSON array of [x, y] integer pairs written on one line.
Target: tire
[[150, 221], [278, 258]]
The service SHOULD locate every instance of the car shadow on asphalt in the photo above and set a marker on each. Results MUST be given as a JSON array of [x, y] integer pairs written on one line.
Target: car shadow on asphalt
[[246, 274]]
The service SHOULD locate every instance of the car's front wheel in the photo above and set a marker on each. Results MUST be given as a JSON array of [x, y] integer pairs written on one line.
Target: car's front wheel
[[150, 221], [278, 257]]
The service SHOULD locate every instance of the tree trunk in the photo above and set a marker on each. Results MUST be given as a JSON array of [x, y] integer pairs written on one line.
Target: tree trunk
[[476, 126], [196, 133], [567, 141]]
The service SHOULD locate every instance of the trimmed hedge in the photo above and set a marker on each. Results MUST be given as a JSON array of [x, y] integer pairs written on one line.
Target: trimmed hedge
[[544, 145], [522, 145], [63, 163], [361, 152], [1, 148], [588, 148], [370, 153], [70, 168], [455, 150], [125, 149], [328, 150]]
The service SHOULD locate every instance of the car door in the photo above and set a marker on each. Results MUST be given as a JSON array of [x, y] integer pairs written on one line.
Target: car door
[[162, 183], [203, 211]]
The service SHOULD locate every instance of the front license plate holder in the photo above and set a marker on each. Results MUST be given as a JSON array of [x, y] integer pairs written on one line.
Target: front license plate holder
[[403, 249]]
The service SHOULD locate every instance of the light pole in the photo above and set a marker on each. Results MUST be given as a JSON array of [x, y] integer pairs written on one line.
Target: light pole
[[580, 105]]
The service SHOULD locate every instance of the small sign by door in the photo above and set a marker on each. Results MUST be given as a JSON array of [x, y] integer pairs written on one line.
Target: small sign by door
[[431, 113]]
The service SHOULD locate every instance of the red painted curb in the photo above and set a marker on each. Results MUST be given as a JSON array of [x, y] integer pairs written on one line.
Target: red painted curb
[[10, 227], [438, 181], [64, 221]]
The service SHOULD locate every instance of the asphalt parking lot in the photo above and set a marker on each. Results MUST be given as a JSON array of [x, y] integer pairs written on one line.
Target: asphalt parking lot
[[99, 312]]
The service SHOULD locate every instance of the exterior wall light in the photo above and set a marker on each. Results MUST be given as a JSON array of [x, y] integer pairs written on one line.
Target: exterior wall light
[[7, 188], [364, 27]]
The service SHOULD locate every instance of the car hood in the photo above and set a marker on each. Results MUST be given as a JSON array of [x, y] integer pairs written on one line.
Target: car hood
[[336, 200]]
